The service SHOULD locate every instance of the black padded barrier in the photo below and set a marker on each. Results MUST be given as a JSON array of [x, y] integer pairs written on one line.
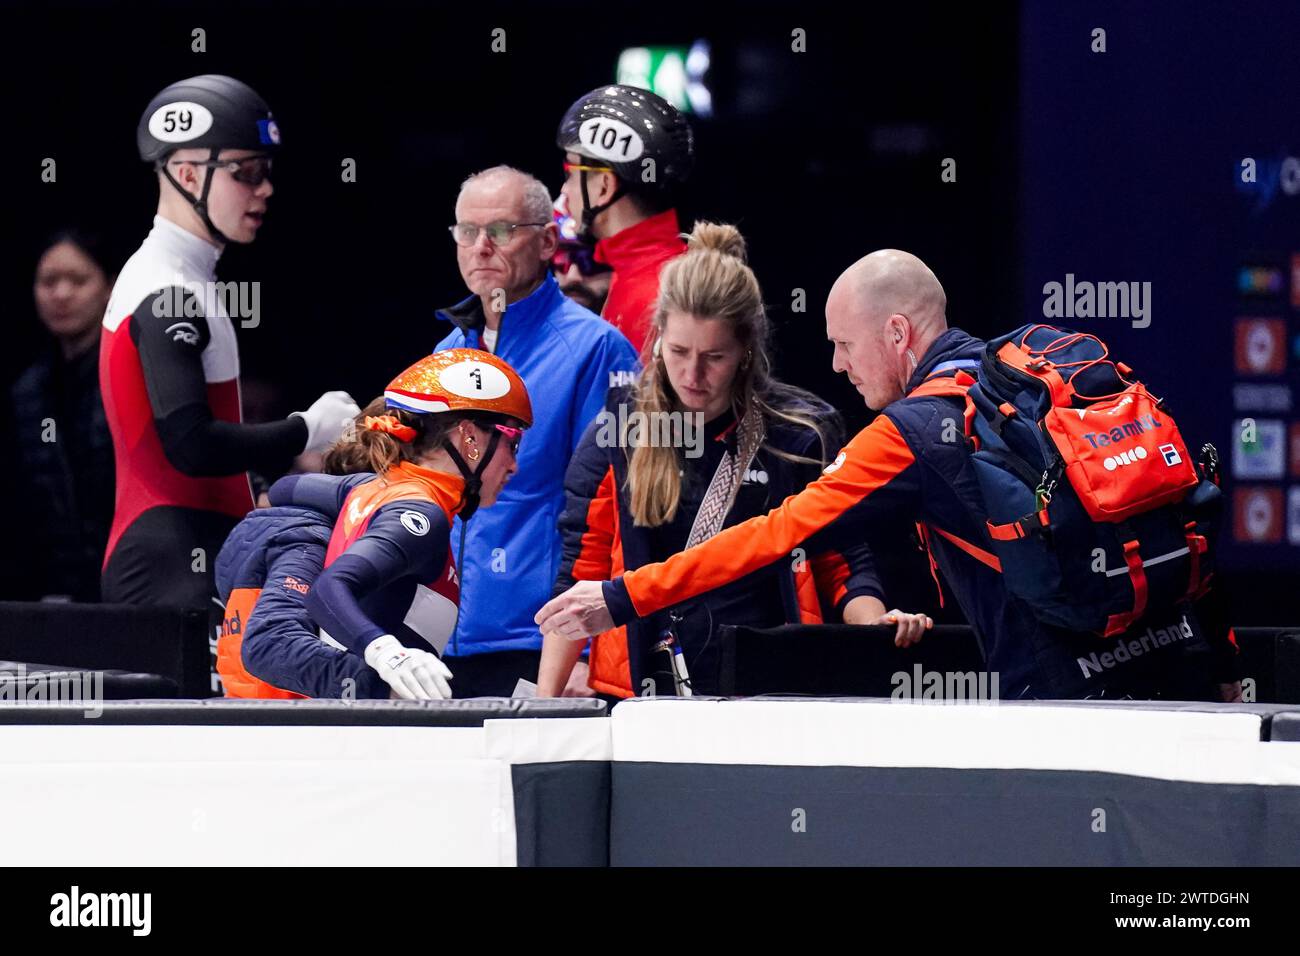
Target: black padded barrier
[[1270, 656], [837, 660], [1285, 728], [21, 681], [308, 713], [169, 642]]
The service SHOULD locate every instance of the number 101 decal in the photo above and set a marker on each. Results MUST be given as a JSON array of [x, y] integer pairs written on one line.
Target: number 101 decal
[[611, 140]]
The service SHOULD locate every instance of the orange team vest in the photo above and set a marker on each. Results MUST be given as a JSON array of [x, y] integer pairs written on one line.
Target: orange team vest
[[235, 678], [402, 482]]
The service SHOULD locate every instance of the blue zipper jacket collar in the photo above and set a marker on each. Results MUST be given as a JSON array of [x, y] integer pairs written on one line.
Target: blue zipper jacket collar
[[526, 314]]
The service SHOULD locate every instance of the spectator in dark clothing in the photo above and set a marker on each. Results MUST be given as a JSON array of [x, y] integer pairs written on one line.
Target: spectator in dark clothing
[[63, 455]]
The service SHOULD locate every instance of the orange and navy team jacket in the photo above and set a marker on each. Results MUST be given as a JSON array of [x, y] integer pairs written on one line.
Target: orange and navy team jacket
[[389, 567], [269, 645], [912, 461], [600, 541]]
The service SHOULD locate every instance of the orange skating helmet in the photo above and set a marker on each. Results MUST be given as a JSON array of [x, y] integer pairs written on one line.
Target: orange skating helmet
[[461, 380]]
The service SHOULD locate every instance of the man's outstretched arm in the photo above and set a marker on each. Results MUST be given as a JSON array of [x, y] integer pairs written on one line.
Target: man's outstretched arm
[[875, 471]]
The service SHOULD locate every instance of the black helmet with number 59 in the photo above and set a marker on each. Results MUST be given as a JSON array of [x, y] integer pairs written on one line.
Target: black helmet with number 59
[[210, 112], [642, 137]]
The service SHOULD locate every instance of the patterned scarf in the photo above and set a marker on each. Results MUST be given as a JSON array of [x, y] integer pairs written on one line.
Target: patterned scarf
[[726, 482]]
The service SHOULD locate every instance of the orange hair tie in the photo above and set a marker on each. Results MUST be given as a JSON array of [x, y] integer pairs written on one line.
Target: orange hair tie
[[390, 425]]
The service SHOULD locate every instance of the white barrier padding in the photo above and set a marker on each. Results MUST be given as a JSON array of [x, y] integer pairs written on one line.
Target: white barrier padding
[[115, 743], [203, 795], [548, 741], [1171, 745]]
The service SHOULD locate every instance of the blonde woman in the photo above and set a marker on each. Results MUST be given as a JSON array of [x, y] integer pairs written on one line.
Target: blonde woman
[[740, 442]]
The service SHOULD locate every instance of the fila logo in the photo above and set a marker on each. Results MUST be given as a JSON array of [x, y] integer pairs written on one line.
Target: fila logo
[[1125, 458], [1170, 453]]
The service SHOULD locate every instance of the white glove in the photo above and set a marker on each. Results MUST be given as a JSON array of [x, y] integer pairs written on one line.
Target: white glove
[[413, 674], [327, 418]]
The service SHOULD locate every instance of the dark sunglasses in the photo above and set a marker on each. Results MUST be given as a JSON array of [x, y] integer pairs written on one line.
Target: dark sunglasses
[[513, 436], [251, 170]]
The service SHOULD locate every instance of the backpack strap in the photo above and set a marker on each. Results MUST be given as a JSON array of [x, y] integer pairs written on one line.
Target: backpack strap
[[1119, 623], [1062, 392], [979, 554], [1197, 545], [947, 378], [951, 379]]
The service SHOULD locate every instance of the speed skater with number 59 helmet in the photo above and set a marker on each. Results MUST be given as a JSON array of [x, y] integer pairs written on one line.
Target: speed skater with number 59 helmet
[[169, 356]]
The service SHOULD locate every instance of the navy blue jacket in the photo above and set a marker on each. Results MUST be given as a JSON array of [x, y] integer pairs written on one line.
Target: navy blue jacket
[[601, 539], [281, 550], [912, 460]]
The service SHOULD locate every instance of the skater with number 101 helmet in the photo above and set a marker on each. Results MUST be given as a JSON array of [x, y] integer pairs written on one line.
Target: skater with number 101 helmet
[[627, 153]]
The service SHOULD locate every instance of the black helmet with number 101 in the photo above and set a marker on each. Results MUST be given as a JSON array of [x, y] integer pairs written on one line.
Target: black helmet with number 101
[[622, 127]]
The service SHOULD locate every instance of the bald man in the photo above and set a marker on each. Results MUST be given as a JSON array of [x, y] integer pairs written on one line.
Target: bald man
[[886, 318]]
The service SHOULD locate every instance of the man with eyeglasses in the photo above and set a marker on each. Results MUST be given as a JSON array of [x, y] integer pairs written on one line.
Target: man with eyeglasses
[[505, 237], [627, 152], [169, 361]]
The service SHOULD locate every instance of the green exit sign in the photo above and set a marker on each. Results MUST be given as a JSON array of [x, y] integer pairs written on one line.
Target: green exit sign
[[674, 72]]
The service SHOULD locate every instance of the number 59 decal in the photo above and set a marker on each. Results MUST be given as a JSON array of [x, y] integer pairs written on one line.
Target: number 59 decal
[[179, 122]]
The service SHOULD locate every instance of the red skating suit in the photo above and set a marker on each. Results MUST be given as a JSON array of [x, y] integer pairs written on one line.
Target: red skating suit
[[169, 371]]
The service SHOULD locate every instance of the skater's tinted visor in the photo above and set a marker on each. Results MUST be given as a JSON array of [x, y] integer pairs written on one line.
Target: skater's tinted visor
[[251, 170], [570, 167], [513, 436]]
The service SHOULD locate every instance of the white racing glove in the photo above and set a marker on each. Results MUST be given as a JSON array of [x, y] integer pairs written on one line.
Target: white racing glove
[[413, 674], [327, 418]]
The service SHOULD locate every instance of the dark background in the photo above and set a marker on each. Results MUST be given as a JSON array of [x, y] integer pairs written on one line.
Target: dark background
[[1067, 161]]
